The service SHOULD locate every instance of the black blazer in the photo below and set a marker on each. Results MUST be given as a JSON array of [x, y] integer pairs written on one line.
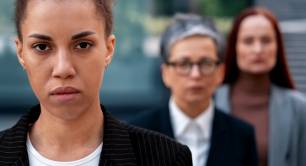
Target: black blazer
[[123, 145], [233, 141]]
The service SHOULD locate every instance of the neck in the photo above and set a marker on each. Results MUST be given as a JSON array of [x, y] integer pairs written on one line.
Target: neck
[[192, 109], [253, 84], [56, 138]]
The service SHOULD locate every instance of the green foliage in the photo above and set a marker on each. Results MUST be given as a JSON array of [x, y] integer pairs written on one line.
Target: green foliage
[[222, 8]]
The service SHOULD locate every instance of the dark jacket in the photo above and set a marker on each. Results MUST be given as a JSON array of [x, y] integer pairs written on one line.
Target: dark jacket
[[122, 145], [232, 141]]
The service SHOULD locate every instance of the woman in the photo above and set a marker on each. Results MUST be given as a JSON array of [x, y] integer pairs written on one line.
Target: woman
[[259, 89], [192, 68], [64, 47]]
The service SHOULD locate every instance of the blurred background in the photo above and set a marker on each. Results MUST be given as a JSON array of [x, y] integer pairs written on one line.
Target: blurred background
[[132, 82]]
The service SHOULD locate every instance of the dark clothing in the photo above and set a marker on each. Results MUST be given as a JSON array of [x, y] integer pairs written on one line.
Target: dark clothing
[[122, 145], [233, 141]]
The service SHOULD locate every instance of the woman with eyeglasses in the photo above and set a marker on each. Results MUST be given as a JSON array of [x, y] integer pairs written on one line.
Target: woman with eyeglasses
[[64, 47], [191, 50], [259, 89]]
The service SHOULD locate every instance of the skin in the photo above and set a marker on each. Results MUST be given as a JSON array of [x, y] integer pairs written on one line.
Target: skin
[[64, 51], [256, 46], [192, 93]]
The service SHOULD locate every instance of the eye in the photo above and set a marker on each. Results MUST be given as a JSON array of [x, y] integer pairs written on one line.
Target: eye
[[83, 45], [266, 40], [41, 47], [184, 64], [248, 40]]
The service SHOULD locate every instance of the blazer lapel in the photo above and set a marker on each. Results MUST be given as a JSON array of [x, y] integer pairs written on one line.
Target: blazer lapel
[[280, 125], [165, 122], [17, 136], [218, 141], [117, 147]]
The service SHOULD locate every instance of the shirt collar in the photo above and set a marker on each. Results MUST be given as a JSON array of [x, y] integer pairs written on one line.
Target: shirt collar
[[180, 120]]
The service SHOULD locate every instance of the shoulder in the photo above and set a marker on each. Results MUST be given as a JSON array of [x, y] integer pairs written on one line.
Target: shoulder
[[1, 134], [292, 95], [150, 144], [236, 125], [293, 100], [149, 147]]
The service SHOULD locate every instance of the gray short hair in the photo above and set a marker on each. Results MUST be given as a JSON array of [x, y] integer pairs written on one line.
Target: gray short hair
[[186, 25]]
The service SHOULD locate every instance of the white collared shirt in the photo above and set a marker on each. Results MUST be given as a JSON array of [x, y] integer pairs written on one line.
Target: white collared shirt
[[195, 133]]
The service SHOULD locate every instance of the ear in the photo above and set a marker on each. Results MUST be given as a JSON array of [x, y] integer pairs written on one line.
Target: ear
[[110, 46], [19, 52], [165, 75], [220, 74]]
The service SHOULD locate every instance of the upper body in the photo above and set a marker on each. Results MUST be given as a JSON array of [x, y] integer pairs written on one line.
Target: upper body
[[64, 47], [229, 141], [287, 127], [256, 73], [122, 145], [192, 69]]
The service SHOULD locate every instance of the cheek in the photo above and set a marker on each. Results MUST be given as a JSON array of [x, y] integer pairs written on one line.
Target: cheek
[[175, 83], [242, 53], [272, 54], [91, 72]]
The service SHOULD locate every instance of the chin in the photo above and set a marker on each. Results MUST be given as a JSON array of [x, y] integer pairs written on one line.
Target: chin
[[196, 99], [69, 111]]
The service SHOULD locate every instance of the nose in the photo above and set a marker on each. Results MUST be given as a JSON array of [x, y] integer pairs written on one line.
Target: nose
[[63, 66], [258, 47], [195, 71]]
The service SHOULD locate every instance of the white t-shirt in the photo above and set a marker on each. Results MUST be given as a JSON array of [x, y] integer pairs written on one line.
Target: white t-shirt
[[36, 159]]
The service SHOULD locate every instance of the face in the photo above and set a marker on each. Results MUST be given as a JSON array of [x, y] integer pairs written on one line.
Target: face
[[256, 45], [194, 88], [64, 52]]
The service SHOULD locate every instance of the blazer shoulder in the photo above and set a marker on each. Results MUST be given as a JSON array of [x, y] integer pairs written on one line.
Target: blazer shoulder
[[235, 124], [151, 145], [1, 134], [294, 96]]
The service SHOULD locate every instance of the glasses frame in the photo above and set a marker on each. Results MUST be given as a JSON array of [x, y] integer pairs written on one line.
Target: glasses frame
[[205, 67]]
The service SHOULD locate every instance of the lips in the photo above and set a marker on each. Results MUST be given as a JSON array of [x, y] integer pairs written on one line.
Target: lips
[[196, 88], [64, 91]]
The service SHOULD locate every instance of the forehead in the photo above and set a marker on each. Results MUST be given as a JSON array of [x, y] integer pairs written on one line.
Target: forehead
[[60, 4], [194, 47], [61, 16], [256, 24], [43, 7]]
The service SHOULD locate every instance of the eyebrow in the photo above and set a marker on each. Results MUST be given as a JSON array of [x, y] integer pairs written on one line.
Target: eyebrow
[[40, 36], [74, 37], [82, 34]]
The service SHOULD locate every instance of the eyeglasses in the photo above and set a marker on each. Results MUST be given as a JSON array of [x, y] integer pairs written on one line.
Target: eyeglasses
[[205, 66]]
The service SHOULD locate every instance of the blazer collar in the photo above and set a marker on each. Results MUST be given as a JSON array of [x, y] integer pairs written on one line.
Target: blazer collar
[[165, 121], [218, 137], [15, 139], [117, 146], [280, 124]]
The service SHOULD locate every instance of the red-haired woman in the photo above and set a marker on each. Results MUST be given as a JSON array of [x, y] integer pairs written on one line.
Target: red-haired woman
[[259, 89]]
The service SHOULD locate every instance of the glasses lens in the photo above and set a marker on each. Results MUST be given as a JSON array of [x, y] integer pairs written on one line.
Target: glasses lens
[[207, 67], [183, 68]]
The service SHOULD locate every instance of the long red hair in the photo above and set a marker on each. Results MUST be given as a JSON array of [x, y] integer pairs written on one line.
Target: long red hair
[[279, 75]]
